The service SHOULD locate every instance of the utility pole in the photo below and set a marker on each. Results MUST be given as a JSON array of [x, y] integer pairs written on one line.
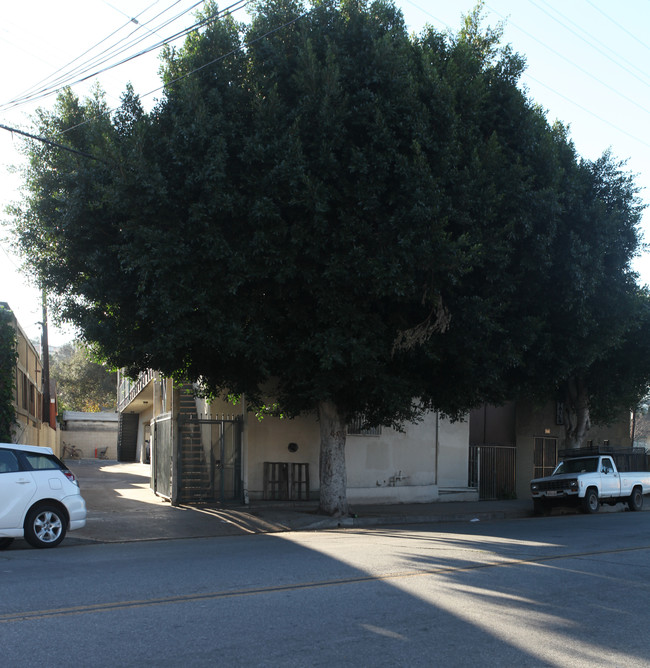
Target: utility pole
[[45, 359]]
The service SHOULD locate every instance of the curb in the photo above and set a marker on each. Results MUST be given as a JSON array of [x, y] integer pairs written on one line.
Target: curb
[[361, 522]]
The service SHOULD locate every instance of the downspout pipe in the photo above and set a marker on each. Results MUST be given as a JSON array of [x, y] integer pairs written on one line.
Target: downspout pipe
[[437, 448]]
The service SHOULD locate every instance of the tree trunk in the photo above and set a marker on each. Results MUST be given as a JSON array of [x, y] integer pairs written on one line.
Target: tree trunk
[[576, 413], [333, 478]]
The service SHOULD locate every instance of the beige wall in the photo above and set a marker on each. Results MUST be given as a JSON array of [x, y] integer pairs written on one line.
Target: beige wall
[[91, 437], [144, 435], [392, 467], [268, 441], [42, 435], [453, 454], [50, 438]]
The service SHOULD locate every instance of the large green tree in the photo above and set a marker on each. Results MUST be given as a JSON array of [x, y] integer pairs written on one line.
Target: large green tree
[[83, 383], [601, 313], [327, 214], [589, 349]]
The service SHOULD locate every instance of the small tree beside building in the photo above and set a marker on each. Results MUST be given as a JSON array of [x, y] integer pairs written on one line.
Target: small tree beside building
[[8, 356]]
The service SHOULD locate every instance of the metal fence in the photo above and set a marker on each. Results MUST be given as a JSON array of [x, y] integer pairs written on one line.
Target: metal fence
[[210, 459], [492, 471], [162, 455]]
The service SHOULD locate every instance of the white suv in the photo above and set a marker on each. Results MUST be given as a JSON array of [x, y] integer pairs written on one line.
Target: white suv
[[39, 497]]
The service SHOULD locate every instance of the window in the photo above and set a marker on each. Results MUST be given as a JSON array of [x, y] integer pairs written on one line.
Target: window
[[607, 464], [8, 462], [359, 427], [545, 457], [581, 465], [42, 462], [25, 392]]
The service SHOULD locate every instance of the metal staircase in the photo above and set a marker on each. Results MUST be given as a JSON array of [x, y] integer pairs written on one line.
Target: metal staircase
[[195, 470]]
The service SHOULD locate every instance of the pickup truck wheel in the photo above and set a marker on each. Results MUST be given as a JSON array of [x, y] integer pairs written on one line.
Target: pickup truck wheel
[[591, 504], [635, 501]]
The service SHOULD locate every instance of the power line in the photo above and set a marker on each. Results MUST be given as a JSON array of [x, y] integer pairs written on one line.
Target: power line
[[115, 50], [616, 23], [564, 58], [51, 143], [588, 111], [578, 67], [9, 258], [132, 19], [424, 11], [31, 91], [56, 83], [202, 67], [184, 76], [586, 41], [82, 70], [225, 55]]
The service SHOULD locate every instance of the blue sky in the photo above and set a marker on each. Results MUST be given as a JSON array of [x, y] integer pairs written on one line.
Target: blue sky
[[588, 64]]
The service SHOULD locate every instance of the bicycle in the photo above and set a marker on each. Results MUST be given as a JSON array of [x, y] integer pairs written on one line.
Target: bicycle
[[71, 452]]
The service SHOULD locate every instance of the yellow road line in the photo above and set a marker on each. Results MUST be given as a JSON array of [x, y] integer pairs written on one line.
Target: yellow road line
[[186, 598]]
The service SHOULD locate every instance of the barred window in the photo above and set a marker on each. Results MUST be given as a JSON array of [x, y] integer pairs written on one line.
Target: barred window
[[359, 427], [545, 457]]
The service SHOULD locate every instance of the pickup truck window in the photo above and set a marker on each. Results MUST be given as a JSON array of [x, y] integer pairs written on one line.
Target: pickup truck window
[[586, 465], [607, 465]]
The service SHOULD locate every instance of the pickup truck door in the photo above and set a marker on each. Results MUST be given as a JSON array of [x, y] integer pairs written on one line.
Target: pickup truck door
[[610, 482]]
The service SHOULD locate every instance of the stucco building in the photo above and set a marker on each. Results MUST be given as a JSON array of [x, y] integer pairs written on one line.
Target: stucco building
[[31, 428], [223, 452]]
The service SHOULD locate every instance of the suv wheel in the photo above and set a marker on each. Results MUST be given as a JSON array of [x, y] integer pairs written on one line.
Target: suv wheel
[[45, 526]]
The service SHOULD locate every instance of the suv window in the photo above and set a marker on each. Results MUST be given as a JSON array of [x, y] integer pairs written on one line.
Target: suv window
[[8, 462], [39, 462]]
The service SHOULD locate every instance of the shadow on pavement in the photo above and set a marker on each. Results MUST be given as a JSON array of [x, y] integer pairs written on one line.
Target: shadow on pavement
[[122, 507]]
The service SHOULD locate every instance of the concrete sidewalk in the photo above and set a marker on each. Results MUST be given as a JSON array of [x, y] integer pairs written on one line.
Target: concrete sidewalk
[[122, 508]]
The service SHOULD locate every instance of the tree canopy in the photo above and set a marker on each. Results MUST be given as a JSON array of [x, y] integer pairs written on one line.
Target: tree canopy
[[331, 213]]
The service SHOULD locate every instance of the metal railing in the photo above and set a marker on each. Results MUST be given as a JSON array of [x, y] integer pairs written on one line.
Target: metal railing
[[128, 389]]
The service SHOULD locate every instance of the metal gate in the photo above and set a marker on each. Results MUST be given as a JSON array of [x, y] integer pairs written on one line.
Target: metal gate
[[162, 455], [492, 471], [127, 437], [209, 453]]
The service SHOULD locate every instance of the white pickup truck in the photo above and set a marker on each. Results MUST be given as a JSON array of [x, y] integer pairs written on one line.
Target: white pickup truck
[[589, 481]]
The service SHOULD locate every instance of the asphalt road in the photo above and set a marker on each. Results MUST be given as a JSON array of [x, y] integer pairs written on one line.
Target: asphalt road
[[558, 591]]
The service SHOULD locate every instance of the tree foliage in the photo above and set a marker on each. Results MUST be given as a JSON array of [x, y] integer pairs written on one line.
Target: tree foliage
[[8, 356], [83, 383], [339, 216]]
